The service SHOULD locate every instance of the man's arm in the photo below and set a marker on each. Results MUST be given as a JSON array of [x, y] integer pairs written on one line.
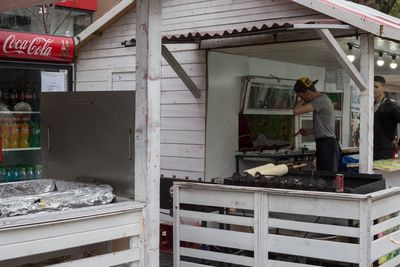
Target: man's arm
[[395, 112], [302, 107]]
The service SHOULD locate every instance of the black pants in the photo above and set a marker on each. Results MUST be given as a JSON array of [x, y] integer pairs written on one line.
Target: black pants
[[328, 154]]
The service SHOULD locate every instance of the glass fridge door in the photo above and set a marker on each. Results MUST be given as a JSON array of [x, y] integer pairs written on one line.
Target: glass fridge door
[[20, 86]]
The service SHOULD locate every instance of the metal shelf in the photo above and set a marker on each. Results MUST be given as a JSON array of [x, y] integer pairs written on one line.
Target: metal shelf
[[19, 112], [20, 149]]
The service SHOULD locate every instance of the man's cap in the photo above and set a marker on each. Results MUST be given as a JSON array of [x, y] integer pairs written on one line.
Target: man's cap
[[303, 84]]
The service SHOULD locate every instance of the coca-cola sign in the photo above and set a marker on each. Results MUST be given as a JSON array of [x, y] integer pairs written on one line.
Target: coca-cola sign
[[36, 47]]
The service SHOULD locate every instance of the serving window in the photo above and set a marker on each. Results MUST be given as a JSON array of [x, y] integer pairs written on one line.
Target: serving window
[[268, 96], [267, 105]]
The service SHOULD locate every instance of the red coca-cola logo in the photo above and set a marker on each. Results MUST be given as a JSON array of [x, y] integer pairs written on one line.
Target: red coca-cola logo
[[38, 47]]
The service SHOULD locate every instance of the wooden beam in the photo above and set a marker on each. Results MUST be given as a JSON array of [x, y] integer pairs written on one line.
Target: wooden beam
[[367, 104], [102, 23], [147, 122], [180, 71], [336, 49], [357, 15]]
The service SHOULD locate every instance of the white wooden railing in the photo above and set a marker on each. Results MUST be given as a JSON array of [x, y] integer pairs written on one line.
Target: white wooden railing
[[284, 228]]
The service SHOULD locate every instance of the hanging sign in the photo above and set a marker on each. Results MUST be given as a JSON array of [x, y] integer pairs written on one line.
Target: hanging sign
[[90, 5], [20, 45]]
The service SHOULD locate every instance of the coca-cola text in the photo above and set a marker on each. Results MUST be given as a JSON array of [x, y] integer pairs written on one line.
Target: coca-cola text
[[37, 47]]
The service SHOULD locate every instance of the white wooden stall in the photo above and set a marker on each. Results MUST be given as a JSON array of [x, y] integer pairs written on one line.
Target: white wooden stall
[[321, 226], [37, 237]]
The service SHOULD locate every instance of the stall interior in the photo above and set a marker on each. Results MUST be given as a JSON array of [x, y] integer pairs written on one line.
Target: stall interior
[[258, 94]]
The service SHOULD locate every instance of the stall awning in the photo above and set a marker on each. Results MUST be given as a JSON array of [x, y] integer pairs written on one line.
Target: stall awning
[[257, 28], [16, 4], [360, 16], [337, 12]]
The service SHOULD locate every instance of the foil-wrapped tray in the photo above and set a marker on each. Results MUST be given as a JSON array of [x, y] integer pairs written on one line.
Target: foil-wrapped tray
[[44, 195]]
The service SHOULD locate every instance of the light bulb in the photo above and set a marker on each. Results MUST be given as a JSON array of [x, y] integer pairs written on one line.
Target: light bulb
[[393, 64], [380, 61], [351, 57]]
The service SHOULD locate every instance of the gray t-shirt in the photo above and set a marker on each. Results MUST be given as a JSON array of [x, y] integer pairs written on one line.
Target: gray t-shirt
[[323, 117]]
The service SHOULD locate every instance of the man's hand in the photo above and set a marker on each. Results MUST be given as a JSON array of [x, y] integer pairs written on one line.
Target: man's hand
[[306, 131], [396, 144]]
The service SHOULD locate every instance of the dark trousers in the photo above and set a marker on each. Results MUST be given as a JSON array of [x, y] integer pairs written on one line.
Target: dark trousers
[[328, 154]]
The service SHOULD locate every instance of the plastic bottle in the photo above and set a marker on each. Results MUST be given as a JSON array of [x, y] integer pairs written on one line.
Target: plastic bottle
[[29, 173], [2, 175], [23, 141], [29, 95], [34, 134], [14, 133], [22, 174], [8, 177], [5, 95], [4, 131], [15, 174], [13, 98], [37, 172]]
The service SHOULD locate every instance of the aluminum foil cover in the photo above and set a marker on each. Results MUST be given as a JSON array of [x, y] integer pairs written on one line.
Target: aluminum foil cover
[[50, 195]]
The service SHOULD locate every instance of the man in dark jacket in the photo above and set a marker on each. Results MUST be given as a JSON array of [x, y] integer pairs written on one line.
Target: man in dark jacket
[[386, 117]]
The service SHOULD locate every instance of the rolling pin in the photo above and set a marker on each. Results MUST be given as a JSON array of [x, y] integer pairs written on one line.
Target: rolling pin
[[253, 171], [277, 170]]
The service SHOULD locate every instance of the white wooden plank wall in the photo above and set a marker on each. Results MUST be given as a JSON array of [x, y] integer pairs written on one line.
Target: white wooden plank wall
[[104, 64]]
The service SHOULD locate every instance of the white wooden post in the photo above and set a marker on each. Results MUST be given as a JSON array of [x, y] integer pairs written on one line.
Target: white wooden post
[[147, 119], [367, 104]]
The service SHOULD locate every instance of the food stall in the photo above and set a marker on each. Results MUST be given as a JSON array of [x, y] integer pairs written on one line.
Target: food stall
[[199, 132]]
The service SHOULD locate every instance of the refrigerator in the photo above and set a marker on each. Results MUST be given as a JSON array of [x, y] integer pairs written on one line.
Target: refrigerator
[[29, 64]]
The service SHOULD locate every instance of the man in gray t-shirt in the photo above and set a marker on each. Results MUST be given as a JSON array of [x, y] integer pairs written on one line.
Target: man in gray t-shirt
[[328, 150]]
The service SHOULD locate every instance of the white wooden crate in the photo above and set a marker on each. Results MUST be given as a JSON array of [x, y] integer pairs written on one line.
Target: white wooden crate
[[36, 237], [295, 228]]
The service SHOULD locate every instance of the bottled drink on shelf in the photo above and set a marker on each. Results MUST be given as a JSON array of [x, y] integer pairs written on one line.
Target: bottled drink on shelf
[[21, 93], [21, 174], [37, 172], [29, 173], [24, 133], [5, 96], [8, 177], [28, 95], [13, 133], [12, 98], [4, 131], [2, 175], [15, 174], [34, 132]]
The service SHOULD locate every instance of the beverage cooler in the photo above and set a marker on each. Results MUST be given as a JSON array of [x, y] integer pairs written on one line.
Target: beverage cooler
[[29, 64]]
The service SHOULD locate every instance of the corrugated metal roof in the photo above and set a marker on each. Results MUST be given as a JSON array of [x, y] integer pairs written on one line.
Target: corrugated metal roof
[[230, 30], [360, 16]]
